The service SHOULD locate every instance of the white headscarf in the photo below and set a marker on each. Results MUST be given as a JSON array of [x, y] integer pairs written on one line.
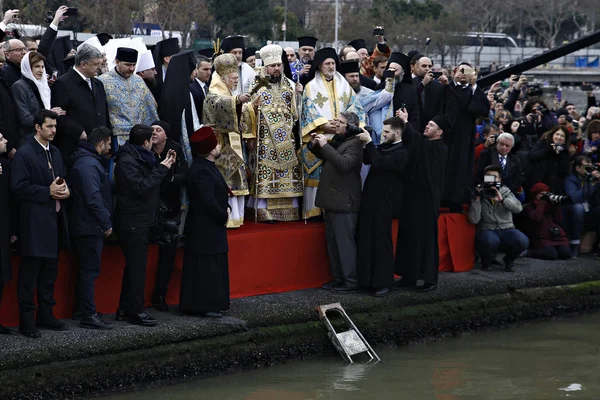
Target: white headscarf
[[42, 84]]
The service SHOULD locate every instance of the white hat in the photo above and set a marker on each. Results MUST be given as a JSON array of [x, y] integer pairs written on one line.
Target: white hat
[[145, 61], [94, 42], [271, 54]]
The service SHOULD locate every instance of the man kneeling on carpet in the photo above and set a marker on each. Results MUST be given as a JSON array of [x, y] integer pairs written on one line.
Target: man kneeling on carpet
[[205, 275], [492, 210]]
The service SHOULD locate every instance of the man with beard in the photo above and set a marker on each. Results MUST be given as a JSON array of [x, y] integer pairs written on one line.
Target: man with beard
[[277, 176], [235, 45], [429, 90], [164, 50], [465, 103], [205, 273], [146, 70], [325, 96], [374, 235], [417, 252], [350, 70], [306, 54]]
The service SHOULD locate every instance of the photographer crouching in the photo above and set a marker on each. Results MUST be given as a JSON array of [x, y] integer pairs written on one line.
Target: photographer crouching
[[582, 186], [168, 232], [339, 193], [492, 209]]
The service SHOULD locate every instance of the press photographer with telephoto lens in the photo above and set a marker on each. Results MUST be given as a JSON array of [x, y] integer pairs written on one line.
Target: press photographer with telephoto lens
[[549, 159], [491, 209]]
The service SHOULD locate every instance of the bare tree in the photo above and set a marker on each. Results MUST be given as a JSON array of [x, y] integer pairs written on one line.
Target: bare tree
[[112, 16], [547, 17]]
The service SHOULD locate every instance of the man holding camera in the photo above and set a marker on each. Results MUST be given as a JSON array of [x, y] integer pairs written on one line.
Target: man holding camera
[[429, 90], [582, 186], [138, 179], [375, 248], [170, 215], [499, 155], [339, 194], [492, 209]]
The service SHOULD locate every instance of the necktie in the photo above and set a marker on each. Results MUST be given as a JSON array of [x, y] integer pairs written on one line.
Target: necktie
[[204, 89], [503, 162], [89, 82]]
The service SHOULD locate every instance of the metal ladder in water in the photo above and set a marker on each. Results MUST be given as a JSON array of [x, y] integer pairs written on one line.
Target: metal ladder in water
[[348, 343]]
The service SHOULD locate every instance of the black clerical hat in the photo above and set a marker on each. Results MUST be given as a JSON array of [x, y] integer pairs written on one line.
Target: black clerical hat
[[309, 41], [249, 52], [207, 52], [404, 61], [348, 67], [358, 44], [443, 122], [232, 42], [169, 47], [68, 62], [320, 56], [125, 54], [103, 38], [412, 53]]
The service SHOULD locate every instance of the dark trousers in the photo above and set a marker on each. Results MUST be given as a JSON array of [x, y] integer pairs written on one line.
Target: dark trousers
[[89, 254], [550, 253], [511, 241], [575, 217], [340, 231], [40, 273], [166, 263], [134, 244]]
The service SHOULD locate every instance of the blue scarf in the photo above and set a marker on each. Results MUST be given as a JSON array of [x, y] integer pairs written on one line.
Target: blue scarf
[[146, 155]]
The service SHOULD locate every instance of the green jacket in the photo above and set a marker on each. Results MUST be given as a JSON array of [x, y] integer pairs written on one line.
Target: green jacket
[[489, 215]]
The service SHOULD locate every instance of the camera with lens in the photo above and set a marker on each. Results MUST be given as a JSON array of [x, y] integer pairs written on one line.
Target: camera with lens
[[49, 17], [534, 90], [559, 148], [487, 189], [556, 198], [354, 130], [555, 232], [589, 169]]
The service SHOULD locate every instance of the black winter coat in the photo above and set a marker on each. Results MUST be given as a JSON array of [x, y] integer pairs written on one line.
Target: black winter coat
[[8, 211], [30, 182], [12, 73], [137, 190], [90, 204], [9, 125], [170, 189], [205, 224], [548, 167], [28, 102]]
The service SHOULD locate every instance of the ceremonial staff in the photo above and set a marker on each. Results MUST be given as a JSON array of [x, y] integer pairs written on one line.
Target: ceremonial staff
[[299, 110]]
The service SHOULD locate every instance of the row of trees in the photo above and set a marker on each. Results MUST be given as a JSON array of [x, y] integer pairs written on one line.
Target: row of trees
[[544, 23]]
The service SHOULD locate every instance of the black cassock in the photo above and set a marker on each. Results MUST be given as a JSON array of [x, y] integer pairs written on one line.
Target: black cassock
[[8, 213], [463, 107], [417, 253], [205, 275], [374, 233]]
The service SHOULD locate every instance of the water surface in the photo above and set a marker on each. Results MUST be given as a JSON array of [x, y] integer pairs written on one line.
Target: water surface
[[555, 359]]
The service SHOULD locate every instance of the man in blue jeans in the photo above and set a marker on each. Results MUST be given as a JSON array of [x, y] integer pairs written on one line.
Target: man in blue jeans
[[582, 186], [493, 214]]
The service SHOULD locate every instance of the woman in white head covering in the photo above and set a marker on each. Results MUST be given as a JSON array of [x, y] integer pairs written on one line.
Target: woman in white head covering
[[32, 92]]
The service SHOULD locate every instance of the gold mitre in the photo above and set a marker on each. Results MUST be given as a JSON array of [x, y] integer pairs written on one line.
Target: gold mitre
[[271, 54], [225, 64]]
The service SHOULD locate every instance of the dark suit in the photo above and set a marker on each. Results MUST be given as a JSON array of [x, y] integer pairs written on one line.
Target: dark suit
[[7, 227], [40, 225], [9, 124], [431, 100], [205, 275], [513, 174], [85, 110], [199, 96], [12, 73]]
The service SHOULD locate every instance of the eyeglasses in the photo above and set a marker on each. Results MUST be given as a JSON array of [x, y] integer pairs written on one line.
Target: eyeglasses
[[20, 50]]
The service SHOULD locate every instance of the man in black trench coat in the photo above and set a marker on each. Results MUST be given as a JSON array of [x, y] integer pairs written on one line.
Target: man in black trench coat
[[374, 233], [8, 212]]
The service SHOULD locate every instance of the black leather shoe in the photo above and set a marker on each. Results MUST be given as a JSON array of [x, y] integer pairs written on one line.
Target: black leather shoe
[[509, 264], [345, 288], [141, 319], [120, 315], [30, 332], [160, 303], [331, 284], [211, 314], [5, 331], [382, 292], [94, 322], [399, 282], [76, 315], [428, 287], [50, 322], [509, 268]]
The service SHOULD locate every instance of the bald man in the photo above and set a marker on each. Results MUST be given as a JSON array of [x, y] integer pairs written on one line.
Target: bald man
[[14, 51], [291, 54]]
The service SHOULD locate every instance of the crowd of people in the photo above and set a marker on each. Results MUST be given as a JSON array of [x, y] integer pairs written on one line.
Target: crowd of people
[[176, 146]]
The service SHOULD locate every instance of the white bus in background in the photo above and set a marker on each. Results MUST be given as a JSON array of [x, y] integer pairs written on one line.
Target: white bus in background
[[489, 39]]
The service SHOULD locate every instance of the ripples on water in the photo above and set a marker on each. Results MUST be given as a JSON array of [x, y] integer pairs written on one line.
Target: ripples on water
[[556, 359]]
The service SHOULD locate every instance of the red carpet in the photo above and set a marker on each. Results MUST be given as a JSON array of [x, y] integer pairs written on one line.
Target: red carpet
[[262, 259]]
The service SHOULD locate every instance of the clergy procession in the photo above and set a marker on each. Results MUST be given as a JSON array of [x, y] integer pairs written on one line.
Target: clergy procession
[[116, 141]]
